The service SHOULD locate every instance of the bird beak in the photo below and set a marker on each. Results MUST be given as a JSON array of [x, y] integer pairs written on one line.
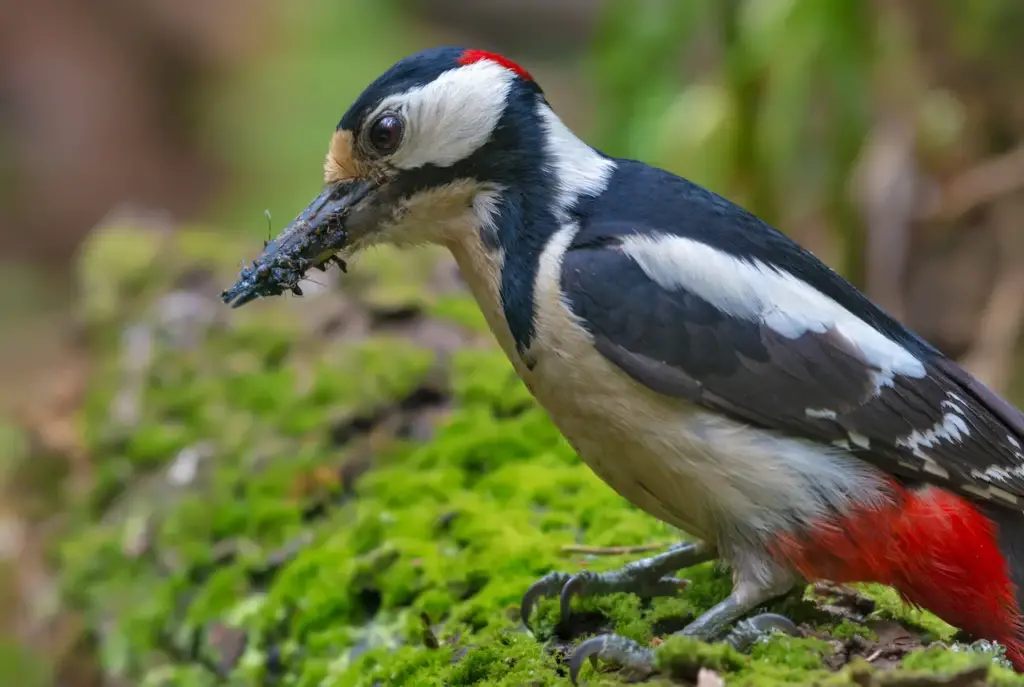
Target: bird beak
[[342, 213]]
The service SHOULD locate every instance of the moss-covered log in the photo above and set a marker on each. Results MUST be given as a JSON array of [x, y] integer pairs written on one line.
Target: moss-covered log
[[354, 489]]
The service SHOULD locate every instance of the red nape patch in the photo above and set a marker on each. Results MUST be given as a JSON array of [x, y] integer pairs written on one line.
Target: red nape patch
[[471, 56], [934, 547]]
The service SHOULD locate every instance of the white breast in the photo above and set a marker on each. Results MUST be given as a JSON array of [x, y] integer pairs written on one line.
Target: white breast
[[707, 475]]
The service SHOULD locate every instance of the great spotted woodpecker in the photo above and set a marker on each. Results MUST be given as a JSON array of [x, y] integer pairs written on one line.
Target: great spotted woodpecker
[[705, 366]]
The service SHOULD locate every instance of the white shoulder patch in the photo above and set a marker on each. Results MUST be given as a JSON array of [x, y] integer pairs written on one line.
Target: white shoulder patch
[[758, 292], [451, 117], [577, 168]]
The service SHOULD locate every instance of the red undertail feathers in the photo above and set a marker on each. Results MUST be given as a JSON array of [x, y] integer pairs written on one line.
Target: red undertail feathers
[[934, 547]]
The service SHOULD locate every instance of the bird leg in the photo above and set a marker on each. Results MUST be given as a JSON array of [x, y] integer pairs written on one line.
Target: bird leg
[[745, 597], [646, 578]]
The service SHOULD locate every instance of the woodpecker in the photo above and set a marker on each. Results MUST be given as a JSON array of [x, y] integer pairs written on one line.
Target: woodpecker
[[704, 365]]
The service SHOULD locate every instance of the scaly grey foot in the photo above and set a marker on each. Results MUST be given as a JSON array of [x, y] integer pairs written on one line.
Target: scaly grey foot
[[647, 578], [638, 660]]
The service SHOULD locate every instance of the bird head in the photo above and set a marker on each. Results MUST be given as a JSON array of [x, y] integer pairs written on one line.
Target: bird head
[[420, 156]]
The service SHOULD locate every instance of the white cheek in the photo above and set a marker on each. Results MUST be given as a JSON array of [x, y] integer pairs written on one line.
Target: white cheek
[[450, 118]]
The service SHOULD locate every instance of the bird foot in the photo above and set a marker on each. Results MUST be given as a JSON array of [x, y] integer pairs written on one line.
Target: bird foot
[[587, 583], [633, 658], [638, 661], [646, 578], [748, 631]]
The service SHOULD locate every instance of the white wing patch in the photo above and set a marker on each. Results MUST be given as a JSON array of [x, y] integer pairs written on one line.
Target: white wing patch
[[758, 292], [859, 440], [952, 427], [451, 117], [1002, 474], [990, 492]]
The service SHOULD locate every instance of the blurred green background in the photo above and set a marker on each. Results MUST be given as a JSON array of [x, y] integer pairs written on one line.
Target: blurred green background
[[885, 135]]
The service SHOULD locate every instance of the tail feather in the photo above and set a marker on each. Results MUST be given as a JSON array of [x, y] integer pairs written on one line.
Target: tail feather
[[1010, 538]]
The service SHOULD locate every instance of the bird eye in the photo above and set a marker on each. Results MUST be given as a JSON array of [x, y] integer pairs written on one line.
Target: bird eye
[[386, 133]]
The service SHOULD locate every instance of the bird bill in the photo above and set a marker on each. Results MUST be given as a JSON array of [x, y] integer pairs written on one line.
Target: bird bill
[[311, 240]]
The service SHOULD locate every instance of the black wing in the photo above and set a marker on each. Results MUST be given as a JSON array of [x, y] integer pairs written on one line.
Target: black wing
[[944, 428]]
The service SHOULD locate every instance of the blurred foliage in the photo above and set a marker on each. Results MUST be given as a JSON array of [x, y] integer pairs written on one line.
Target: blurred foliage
[[325, 52], [776, 123], [770, 101]]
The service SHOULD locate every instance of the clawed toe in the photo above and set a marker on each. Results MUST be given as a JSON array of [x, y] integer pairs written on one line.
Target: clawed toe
[[638, 660], [587, 583], [646, 578], [573, 586], [750, 630], [623, 652], [549, 585]]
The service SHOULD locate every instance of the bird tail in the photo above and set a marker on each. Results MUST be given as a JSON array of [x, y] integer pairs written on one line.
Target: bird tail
[[1010, 539]]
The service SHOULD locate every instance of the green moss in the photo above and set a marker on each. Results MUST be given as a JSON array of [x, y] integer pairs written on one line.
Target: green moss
[[327, 573], [683, 657], [889, 605], [387, 278], [847, 629], [789, 654], [485, 378], [939, 660], [375, 371], [115, 262], [460, 309], [958, 657]]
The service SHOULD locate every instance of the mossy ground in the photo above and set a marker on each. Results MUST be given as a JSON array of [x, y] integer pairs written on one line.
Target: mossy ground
[[323, 491]]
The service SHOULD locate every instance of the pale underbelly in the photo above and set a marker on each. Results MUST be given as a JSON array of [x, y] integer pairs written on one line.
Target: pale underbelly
[[711, 477], [718, 480], [656, 482], [636, 444]]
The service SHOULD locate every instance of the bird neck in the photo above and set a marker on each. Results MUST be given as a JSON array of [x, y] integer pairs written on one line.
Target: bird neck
[[569, 171], [513, 220]]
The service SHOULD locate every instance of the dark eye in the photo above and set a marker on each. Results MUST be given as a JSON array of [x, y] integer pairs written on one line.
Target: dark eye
[[386, 133]]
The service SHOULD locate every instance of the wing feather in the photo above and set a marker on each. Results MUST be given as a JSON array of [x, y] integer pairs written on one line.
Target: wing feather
[[942, 427]]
